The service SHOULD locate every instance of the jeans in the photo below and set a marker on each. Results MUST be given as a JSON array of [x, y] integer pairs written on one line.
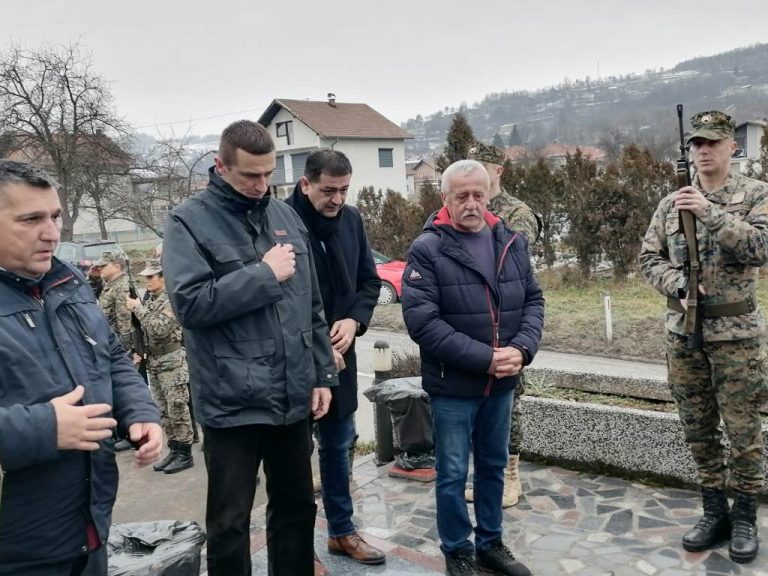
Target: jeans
[[232, 458], [336, 437], [482, 425]]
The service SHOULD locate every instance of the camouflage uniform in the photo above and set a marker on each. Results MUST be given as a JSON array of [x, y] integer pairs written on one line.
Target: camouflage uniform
[[167, 366], [520, 218], [726, 376], [112, 301]]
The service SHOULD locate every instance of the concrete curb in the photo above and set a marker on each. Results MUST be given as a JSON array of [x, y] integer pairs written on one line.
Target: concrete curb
[[638, 442]]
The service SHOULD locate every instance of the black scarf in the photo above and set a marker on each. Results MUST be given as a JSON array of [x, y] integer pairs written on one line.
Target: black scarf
[[332, 272]]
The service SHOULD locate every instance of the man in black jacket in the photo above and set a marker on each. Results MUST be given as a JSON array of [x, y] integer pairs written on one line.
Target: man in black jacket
[[350, 287], [242, 283]]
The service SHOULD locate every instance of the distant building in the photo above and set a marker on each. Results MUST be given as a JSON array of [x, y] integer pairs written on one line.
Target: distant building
[[555, 154], [748, 135], [375, 145], [420, 172]]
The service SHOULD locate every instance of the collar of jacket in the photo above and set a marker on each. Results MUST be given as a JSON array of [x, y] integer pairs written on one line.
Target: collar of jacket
[[724, 194], [58, 273], [231, 198]]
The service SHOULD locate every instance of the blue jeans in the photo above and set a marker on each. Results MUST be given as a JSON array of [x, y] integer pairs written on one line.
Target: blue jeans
[[335, 439], [482, 425]]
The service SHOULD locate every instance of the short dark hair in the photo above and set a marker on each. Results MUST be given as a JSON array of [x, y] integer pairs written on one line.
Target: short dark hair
[[246, 135], [13, 172], [330, 162]]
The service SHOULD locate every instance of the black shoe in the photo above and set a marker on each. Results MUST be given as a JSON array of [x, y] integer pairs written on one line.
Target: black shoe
[[714, 527], [182, 460], [744, 543], [499, 559], [160, 466], [123, 445], [460, 565]]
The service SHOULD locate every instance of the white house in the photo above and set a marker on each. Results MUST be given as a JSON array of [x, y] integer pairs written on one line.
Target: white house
[[374, 145], [748, 135]]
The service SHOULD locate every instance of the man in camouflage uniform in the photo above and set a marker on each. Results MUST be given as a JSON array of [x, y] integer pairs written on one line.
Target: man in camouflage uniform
[[520, 218], [724, 375], [167, 368], [113, 294]]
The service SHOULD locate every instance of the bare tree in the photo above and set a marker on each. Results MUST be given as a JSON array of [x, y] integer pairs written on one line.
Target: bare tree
[[58, 113], [169, 173]]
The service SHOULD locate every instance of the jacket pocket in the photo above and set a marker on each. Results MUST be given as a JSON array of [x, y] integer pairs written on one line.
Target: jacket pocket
[[301, 281], [244, 369], [230, 257], [676, 244]]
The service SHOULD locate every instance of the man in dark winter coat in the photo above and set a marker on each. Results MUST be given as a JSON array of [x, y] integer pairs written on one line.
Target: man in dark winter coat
[[471, 303], [242, 282], [350, 287], [65, 384]]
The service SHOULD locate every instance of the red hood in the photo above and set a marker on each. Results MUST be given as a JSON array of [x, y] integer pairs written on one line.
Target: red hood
[[444, 218]]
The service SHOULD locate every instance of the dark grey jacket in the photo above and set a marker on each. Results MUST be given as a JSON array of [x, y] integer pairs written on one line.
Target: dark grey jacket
[[255, 346], [49, 344]]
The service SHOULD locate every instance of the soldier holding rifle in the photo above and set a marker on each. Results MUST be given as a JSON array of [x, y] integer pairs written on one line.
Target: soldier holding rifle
[[708, 268]]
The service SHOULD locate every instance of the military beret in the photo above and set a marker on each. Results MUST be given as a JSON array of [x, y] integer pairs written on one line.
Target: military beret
[[712, 125], [486, 153]]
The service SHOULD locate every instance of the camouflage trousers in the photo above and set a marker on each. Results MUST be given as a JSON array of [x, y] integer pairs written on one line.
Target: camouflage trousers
[[515, 425], [169, 381], [721, 380]]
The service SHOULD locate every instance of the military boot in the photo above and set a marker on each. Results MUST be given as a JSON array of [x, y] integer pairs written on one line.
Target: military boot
[[713, 527], [160, 466], [182, 461], [512, 487], [744, 542]]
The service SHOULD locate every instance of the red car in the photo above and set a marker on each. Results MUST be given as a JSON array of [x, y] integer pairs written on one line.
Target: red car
[[391, 274]]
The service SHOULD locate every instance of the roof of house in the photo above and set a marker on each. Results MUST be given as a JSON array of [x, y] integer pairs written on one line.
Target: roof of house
[[753, 122], [337, 120]]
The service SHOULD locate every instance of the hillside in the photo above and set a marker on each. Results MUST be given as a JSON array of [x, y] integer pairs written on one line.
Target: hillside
[[636, 107]]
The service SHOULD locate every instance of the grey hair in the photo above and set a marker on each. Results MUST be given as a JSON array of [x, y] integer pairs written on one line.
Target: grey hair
[[13, 172], [464, 168]]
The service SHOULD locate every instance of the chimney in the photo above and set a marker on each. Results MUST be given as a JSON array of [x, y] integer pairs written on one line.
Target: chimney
[[332, 99]]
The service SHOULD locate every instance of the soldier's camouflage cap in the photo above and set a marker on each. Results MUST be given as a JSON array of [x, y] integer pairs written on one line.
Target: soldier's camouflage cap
[[486, 153], [151, 267], [712, 125], [107, 257]]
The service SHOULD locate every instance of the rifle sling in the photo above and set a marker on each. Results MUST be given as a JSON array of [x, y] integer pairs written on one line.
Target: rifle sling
[[717, 310]]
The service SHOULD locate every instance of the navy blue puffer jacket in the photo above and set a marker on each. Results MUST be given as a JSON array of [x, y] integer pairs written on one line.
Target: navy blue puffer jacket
[[457, 315]]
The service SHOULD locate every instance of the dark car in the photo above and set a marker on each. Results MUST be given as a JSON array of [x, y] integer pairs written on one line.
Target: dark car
[[391, 274], [84, 254]]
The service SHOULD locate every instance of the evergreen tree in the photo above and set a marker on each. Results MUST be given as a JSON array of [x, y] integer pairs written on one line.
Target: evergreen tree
[[430, 200], [583, 201], [458, 142], [497, 141], [632, 188], [514, 137]]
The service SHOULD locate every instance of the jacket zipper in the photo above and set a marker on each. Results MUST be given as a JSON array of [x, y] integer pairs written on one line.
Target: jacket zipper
[[496, 312]]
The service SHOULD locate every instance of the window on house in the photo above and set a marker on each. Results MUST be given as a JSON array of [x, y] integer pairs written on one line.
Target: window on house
[[278, 176], [385, 158], [285, 130]]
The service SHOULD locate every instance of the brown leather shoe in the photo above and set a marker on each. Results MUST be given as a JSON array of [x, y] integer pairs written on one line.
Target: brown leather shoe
[[320, 569], [355, 547]]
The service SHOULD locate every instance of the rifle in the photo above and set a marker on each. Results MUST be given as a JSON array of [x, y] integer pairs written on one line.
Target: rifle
[[137, 332], [692, 264]]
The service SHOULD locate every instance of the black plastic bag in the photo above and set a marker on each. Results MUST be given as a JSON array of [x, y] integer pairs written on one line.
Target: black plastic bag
[[162, 548], [408, 404]]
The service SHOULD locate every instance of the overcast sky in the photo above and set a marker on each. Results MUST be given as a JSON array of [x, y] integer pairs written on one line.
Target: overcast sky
[[182, 61]]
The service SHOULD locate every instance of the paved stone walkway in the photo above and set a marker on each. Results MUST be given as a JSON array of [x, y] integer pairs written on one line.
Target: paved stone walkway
[[568, 523]]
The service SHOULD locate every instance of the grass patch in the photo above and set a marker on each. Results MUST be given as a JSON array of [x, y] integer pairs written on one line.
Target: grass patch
[[574, 318], [364, 448]]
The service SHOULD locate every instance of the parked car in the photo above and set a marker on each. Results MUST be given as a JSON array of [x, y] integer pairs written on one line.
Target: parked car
[[84, 254], [391, 274]]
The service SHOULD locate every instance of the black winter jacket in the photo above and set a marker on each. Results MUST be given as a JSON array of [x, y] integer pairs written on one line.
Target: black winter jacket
[[457, 315], [357, 305], [47, 347], [256, 347]]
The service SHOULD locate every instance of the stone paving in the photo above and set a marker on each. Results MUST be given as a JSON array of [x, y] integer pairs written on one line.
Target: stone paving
[[567, 523]]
